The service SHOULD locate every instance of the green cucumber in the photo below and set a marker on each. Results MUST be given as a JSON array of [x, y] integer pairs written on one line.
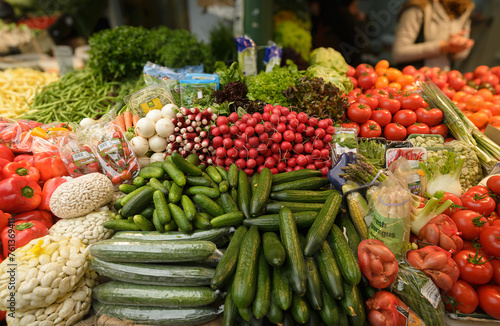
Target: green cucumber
[[313, 291], [180, 218], [275, 313], [137, 203], [152, 171], [245, 313], [125, 199], [193, 159], [175, 173], [161, 207], [229, 219], [306, 196], [329, 313], [295, 175], [262, 298], [319, 230], [230, 311], [172, 226], [139, 181], [274, 207], [261, 194], [295, 257], [185, 166], [281, 288], [167, 184], [157, 223], [207, 191], [208, 205], [227, 266], [116, 292], [202, 166], [222, 172], [118, 203], [288, 319], [143, 223], [313, 183], [232, 176], [209, 235], [223, 186], [198, 181], [329, 271], [158, 315], [300, 309], [343, 320], [344, 256], [157, 163], [229, 205], [244, 193], [126, 188], [214, 174], [271, 222], [155, 183], [121, 225], [175, 194], [314, 319], [147, 212], [154, 274], [188, 206], [201, 222], [273, 249], [234, 193], [347, 227], [353, 305], [118, 250], [245, 278]]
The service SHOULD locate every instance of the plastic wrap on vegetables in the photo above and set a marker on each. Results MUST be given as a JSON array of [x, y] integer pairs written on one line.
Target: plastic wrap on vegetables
[[333, 175], [272, 56], [390, 208], [247, 55], [197, 89]]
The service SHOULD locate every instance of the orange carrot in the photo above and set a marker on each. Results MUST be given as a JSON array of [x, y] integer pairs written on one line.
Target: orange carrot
[[135, 118], [128, 119], [120, 121]]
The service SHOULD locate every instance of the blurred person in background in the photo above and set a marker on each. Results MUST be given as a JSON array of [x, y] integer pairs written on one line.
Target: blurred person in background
[[433, 33]]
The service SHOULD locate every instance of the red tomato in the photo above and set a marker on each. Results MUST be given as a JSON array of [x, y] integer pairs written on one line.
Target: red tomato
[[489, 299], [369, 100], [490, 240], [370, 129], [367, 80], [473, 269], [481, 70], [405, 117], [466, 299], [493, 184], [470, 223], [430, 117], [358, 112], [457, 83], [475, 246], [496, 270], [419, 128], [362, 69], [350, 71], [394, 131], [440, 129], [413, 102], [478, 201], [455, 206], [409, 70], [391, 104], [352, 125], [382, 116]]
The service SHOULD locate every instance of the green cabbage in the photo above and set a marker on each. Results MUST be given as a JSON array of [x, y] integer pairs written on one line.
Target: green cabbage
[[329, 58]]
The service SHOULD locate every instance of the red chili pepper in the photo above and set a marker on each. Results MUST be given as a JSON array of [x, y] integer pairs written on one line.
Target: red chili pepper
[[23, 169], [38, 215], [48, 188], [24, 232], [25, 157], [50, 165], [18, 194]]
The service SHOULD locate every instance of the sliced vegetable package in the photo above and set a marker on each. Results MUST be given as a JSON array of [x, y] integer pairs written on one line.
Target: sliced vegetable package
[[419, 292], [197, 89], [156, 74], [389, 205], [155, 96], [77, 157], [345, 141], [247, 55]]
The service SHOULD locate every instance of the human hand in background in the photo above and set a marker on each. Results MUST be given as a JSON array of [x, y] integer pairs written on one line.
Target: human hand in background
[[456, 43]]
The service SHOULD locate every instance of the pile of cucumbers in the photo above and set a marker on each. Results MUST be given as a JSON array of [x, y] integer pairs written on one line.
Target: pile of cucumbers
[[158, 279]]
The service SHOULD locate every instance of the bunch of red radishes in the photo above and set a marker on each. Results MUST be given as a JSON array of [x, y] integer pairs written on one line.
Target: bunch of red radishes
[[279, 139]]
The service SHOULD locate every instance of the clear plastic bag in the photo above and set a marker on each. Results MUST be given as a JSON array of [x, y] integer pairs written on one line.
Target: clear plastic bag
[[77, 157], [155, 96], [389, 205]]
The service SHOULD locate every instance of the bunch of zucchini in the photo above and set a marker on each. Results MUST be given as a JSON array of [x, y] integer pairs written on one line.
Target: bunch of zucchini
[[158, 279]]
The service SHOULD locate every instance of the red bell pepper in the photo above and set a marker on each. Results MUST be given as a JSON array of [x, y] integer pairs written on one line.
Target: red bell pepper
[[6, 153], [24, 232], [42, 216], [23, 169], [4, 220], [50, 165], [3, 162], [47, 190], [18, 194], [25, 157]]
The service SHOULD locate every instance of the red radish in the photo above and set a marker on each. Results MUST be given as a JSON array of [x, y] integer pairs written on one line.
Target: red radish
[[311, 166], [251, 163], [322, 124], [268, 108], [262, 148], [319, 164], [233, 117], [274, 119], [275, 147], [224, 129], [232, 152], [301, 160], [276, 111], [301, 128], [257, 116], [269, 162], [239, 144], [264, 137], [318, 143], [313, 122], [327, 139], [266, 116], [227, 143], [325, 154], [254, 141], [285, 111], [328, 163], [302, 117], [242, 127], [292, 162], [252, 153], [277, 137], [260, 168], [316, 154], [233, 130], [228, 161], [220, 152], [320, 133], [289, 136], [281, 128], [308, 147], [281, 166], [298, 167], [324, 171], [268, 126], [269, 152], [274, 171], [245, 118], [215, 131], [298, 138], [241, 163], [309, 159], [243, 153], [249, 172], [276, 157], [294, 123], [250, 131], [286, 146], [288, 169], [260, 160], [287, 155], [252, 122], [330, 130], [298, 148], [244, 137], [259, 128], [222, 120], [218, 141]]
